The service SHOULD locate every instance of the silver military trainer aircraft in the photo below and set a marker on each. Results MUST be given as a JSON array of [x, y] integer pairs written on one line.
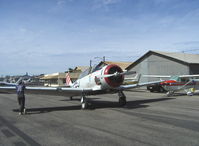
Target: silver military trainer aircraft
[[96, 80]]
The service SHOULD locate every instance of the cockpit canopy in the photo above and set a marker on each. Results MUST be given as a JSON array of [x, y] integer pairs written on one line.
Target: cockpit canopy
[[90, 70]]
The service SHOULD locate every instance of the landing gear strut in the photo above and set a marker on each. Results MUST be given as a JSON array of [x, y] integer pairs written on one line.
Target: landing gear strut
[[169, 93], [122, 98], [84, 102]]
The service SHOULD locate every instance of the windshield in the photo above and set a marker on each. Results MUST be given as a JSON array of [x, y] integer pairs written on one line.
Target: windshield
[[84, 73], [176, 78]]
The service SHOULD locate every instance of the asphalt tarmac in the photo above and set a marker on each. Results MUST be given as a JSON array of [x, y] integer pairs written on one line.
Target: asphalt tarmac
[[148, 119]]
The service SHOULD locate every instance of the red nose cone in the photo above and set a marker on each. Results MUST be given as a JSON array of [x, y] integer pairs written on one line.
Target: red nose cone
[[114, 81]]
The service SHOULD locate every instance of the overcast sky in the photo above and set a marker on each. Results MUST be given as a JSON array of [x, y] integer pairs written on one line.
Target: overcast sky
[[46, 36]]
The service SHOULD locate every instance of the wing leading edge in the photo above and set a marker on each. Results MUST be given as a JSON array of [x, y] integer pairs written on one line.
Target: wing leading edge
[[61, 91], [125, 87]]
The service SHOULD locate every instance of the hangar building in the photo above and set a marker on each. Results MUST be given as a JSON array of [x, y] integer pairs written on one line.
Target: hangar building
[[165, 63]]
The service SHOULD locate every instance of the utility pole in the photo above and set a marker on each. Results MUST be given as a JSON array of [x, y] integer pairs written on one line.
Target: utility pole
[[90, 66]]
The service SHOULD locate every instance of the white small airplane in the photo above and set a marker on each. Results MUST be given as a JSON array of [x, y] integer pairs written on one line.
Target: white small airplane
[[108, 79], [188, 83], [15, 84]]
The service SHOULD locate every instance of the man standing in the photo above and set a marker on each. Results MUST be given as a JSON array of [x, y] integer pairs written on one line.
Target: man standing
[[21, 97]]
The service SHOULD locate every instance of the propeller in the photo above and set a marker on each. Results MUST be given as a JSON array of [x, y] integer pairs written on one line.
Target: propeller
[[117, 74]]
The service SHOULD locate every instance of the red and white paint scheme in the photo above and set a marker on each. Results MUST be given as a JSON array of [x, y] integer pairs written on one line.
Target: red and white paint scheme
[[68, 80], [108, 77], [95, 80], [188, 83]]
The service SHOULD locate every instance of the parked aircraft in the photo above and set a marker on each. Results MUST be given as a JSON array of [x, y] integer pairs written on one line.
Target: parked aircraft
[[107, 79], [25, 80], [188, 83]]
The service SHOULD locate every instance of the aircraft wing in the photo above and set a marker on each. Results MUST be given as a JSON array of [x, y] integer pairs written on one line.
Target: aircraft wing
[[157, 76], [189, 76], [167, 76], [7, 84], [124, 87], [61, 91]]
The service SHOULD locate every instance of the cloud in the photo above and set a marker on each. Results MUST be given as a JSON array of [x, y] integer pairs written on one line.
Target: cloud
[[109, 2], [59, 6], [23, 30], [188, 43], [104, 4], [61, 2]]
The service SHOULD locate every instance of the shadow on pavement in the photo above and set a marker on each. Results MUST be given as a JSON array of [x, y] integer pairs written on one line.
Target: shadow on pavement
[[93, 104], [49, 109], [130, 104]]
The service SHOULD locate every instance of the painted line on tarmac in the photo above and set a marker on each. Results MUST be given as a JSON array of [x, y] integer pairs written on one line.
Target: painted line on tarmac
[[7, 133], [19, 144], [24, 136]]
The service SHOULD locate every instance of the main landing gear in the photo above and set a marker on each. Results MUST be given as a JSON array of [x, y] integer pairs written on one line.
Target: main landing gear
[[84, 102], [122, 98], [169, 93]]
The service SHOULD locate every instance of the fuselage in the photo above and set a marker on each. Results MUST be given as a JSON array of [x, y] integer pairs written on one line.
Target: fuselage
[[97, 79], [173, 85]]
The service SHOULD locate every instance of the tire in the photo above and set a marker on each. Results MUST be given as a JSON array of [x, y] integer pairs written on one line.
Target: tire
[[161, 90], [151, 90], [122, 101], [84, 105]]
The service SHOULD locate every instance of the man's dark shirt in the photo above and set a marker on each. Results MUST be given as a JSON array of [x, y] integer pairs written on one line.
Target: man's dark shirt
[[20, 90]]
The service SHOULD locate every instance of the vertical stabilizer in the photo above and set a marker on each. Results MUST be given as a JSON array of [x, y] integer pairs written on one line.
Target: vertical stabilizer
[[68, 80]]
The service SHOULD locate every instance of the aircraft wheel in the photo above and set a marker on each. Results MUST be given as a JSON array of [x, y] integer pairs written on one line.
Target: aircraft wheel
[[84, 102], [151, 90], [189, 93], [84, 105], [122, 101], [122, 98], [168, 94], [161, 90]]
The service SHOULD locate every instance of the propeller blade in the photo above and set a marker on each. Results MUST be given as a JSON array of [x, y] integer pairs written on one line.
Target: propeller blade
[[116, 74], [105, 76]]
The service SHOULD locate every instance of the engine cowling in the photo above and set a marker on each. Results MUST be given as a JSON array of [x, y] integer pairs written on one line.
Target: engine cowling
[[113, 81]]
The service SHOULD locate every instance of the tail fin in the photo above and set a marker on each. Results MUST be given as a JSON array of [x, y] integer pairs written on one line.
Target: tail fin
[[138, 77], [19, 80], [68, 80], [133, 80], [23, 79]]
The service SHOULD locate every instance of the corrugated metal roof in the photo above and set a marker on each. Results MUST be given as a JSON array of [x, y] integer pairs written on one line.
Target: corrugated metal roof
[[188, 58], [183, 58]]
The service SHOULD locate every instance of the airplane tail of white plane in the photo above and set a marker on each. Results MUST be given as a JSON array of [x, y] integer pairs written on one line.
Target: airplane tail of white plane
[[133, 80], [68, 80]]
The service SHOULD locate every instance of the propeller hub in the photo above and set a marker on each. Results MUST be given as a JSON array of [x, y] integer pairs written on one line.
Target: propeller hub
[[117, 79]]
